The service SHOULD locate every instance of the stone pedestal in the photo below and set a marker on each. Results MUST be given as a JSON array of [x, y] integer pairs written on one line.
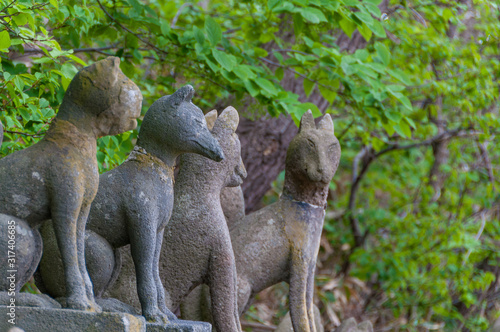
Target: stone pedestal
[[179, 326], [66, 320]]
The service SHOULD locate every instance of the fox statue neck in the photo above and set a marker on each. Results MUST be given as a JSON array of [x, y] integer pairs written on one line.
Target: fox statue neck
[[305, 191], [199, 180], [160, 151], [65, 132]]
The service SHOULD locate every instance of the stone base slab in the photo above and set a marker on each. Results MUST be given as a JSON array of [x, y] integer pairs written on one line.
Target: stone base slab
[[65, 320], [179, 326], [34, 319]]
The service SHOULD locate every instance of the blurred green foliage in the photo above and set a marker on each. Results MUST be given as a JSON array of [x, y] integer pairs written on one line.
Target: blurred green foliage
[[426, 69]]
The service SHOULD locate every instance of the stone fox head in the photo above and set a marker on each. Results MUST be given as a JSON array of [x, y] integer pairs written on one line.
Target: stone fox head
[[225, 132], [174, 125], [103, 98], [311, 160]]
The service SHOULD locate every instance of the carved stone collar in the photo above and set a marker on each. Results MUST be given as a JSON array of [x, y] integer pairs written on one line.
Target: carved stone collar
[[290, 198], [140, 154]]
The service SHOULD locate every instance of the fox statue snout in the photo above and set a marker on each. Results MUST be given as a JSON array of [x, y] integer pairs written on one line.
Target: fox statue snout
[[208, 146]]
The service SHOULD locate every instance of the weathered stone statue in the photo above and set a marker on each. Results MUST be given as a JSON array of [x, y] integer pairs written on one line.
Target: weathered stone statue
[[197, 247], [280, 242], [1, 133], [231, 198], [57, 178], [233, 204], [134, 201]]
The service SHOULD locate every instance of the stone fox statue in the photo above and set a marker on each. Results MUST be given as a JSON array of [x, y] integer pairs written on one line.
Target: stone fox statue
[[57, 178], [281, 241], [134, 201], [197, 247]]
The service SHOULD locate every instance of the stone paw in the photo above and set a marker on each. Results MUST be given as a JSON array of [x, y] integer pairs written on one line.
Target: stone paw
[[157, 317], [95, 307], [169, 314], [79, 303]]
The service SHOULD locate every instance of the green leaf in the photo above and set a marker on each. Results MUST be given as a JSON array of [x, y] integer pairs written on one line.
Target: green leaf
[[54, 3], [279, 73], [312, 15], [304, 107], [298, 24], [24, 113], [403, 129], [267, 85], [308, 86], [373, 9], [76, 59], [365, 31], [213, 30], [136, 5], [212, 65], [21, 19], [377, 144], [19, 83], [252, 88], [244, 72], [260, 52], [4, 40], [403, 99], [347, 26], [364, 17], [164, 27], [68, 70], [400, 75], [198, 35], [383, 53], [227, 61], [272, 3], [327, 93], [378, 29]]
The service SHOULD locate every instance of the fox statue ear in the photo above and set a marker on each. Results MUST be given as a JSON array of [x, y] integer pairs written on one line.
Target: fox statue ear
[[211, 117], [307, 121], [184, 94], [102, 74], [229, 119], [326, 123]]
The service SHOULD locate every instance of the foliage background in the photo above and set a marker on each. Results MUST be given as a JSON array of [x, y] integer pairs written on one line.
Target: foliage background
[[412, 233]]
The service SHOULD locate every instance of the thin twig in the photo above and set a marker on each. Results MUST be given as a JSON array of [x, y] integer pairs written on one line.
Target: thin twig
[[24, 134], [176, 17], [128, 30]]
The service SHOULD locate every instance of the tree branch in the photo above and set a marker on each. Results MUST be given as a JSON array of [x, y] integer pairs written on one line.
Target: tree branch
[[366, 157]]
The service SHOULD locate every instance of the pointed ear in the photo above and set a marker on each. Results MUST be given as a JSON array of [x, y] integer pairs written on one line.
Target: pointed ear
[[326, 123], [229, 118], [211, 117], [113, 63], [185, 93], [307, 121]]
